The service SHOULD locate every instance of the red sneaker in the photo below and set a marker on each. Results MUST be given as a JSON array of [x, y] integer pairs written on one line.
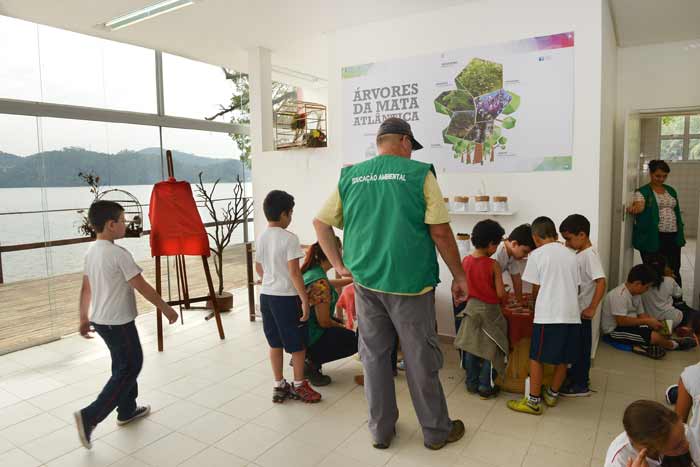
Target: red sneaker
[[304, 393]]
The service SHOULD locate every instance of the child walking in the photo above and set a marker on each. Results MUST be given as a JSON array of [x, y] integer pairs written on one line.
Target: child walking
[[556, 334], [109, 280], [575, 229], [483, 332], [284, 304]]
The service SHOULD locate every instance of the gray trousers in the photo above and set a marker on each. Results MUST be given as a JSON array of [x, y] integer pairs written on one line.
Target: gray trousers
[[381, 317]]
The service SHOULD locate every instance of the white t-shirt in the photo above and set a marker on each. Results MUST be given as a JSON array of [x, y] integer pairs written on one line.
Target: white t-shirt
[[508, 263], [590, 269], [691, 381], [621, 450], [274, 249], [619, 302], [658, 302], [109, 268], [554, 268]]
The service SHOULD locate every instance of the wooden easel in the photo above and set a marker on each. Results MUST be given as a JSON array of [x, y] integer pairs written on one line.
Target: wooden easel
[[182, 284]]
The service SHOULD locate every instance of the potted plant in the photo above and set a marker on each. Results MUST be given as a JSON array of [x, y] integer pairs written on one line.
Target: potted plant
[[227, 219], [93, 181]]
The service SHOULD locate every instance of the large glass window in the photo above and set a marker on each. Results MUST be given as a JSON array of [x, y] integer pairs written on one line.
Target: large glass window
[[19, 59], [680, 137]]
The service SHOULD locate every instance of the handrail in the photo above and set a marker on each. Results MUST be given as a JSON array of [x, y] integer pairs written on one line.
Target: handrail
[[17, 213], [77, 240]]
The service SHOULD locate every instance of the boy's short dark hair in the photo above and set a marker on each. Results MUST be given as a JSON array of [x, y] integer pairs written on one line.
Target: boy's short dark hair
[[641, 273], [523, 235], [487, 232], [103, 211], [276, 202], [544, 227], [575, 224]]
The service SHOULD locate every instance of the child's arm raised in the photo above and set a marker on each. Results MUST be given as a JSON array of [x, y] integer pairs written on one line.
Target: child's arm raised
[[498, 281], [149, 293], [298, 281], [85, 294]]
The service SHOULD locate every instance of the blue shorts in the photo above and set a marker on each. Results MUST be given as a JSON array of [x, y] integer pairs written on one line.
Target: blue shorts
[[281, 323], [555, 344]]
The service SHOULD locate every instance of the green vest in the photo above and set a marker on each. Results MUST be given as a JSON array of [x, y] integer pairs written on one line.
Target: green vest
[[645, 234], [387, 244], [315, 330]]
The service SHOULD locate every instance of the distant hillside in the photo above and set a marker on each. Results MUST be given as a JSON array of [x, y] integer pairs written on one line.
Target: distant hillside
[[61, 168]]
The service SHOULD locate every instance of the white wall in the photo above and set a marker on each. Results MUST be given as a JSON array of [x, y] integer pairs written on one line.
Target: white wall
[[659, 76], [556, 194]]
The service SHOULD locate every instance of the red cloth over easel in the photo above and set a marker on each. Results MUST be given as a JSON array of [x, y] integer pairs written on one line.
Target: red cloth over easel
[[177, 230], [176, 227]]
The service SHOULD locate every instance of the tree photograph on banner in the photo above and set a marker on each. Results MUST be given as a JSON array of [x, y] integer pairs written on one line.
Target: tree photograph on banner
[[496, 108]]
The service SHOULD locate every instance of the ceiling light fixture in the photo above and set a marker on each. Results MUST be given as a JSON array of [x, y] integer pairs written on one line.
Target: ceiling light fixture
[[146, 13]]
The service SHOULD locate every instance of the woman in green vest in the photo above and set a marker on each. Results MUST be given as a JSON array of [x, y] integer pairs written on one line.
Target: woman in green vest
[[328, 338], [658, 225]]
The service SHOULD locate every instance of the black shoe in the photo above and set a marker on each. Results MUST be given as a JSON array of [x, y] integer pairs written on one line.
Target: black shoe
[[488, 393], [386, 444], [314, 375], [84, 430], [455, 434], [140, 412]]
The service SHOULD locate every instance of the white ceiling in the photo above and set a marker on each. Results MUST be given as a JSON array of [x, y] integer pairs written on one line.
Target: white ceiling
[[220, 31], [641, 22]]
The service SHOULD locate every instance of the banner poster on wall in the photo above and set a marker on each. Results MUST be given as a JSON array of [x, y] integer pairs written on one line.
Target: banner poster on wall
[[496, 108]]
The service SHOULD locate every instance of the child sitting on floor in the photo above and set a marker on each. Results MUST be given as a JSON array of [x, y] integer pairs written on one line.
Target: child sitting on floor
[[483, 332], [663, 297], [625, 321]]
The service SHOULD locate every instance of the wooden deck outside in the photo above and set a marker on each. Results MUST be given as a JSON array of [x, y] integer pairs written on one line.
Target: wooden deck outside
[[36, 311]]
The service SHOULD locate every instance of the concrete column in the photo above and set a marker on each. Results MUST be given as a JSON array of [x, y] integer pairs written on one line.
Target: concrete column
[[260, 79]]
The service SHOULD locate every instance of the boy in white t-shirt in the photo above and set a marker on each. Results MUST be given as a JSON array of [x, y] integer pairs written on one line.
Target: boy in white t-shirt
[[109, 280], [625, 321], [284, 304], [511, 253], [575, 229], [553, 271]]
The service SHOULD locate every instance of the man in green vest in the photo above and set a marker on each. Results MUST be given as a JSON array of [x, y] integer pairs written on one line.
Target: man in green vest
[[393, 216]]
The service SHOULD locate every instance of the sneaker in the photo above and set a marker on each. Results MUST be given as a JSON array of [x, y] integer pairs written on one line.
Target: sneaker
[[489, 393], [384, 445], [548, 398], [575, 390], [304, 393], [84, 431], [672, 394], [455, 434], [685, 343], [281, 393], [314, 375], [525, 406], [140, 412], [471, 389]]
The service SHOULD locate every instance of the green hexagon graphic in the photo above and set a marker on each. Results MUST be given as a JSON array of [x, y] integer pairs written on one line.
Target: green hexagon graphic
[[480, 77]]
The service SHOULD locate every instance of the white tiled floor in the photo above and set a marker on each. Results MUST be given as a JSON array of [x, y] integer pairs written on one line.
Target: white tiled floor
[[211, 407]]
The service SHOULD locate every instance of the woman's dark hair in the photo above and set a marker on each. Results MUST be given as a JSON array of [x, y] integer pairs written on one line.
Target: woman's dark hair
[[523, 235], [276, 202], [658, 164], [315, 256], [649, 424], [657, 262], [487, 232], [103, 211]]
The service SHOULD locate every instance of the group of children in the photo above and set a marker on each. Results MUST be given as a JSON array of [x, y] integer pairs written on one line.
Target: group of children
[[569, 284]]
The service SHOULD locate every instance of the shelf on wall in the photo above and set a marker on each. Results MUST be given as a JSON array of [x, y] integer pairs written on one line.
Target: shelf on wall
[[488, 213]]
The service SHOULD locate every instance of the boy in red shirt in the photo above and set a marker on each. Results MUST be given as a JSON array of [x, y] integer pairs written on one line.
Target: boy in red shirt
[[482, 334]]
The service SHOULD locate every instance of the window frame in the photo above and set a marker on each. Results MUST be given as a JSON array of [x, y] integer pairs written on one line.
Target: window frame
[[685, 138]]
